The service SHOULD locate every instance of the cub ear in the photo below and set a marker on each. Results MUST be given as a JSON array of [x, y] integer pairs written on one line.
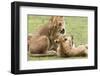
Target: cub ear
[[65, 39], [56, 40], [72, 37]]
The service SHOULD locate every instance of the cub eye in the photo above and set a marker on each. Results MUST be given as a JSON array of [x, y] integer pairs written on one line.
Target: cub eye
[[65, 39], [56, 41]]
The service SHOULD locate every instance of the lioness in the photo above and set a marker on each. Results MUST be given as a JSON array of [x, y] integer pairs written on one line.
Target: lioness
[[44, 40], [66, 49], [53, 29]]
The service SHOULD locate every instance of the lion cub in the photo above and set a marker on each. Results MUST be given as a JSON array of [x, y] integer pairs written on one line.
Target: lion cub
[[66, 49]]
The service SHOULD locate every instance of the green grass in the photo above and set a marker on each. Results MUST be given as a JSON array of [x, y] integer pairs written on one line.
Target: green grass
[[52, 58], [74, 25], [77, 26]]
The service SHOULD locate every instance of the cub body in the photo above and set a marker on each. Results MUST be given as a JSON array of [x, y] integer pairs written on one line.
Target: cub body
[[66, 49]]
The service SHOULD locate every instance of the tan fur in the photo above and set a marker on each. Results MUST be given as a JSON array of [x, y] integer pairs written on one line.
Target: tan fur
[[52, 30], [44, 40], [39, 45], [66, 49]]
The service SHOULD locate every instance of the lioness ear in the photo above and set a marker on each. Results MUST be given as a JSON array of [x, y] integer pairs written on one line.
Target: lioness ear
[[61, 16], [70, 37], [52, 21], [53, 18]]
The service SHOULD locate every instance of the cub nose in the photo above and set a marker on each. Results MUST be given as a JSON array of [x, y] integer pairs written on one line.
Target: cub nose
[[62, 31]]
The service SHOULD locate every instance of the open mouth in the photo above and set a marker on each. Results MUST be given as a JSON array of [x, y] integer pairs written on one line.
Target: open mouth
[[62, 31]]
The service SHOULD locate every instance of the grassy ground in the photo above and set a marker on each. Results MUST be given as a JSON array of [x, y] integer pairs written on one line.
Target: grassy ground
[[75, 25]]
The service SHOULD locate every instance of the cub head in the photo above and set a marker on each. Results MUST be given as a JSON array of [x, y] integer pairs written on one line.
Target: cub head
[[66, 41]]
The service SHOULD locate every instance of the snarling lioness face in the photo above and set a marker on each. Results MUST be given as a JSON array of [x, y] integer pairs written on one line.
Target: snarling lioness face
[[57, 24]]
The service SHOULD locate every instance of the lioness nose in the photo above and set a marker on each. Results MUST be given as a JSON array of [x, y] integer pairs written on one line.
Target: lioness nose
[[62, 31]]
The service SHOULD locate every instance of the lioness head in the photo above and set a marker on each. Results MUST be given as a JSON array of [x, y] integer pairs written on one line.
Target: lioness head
[[57, 27], [57, 24]]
